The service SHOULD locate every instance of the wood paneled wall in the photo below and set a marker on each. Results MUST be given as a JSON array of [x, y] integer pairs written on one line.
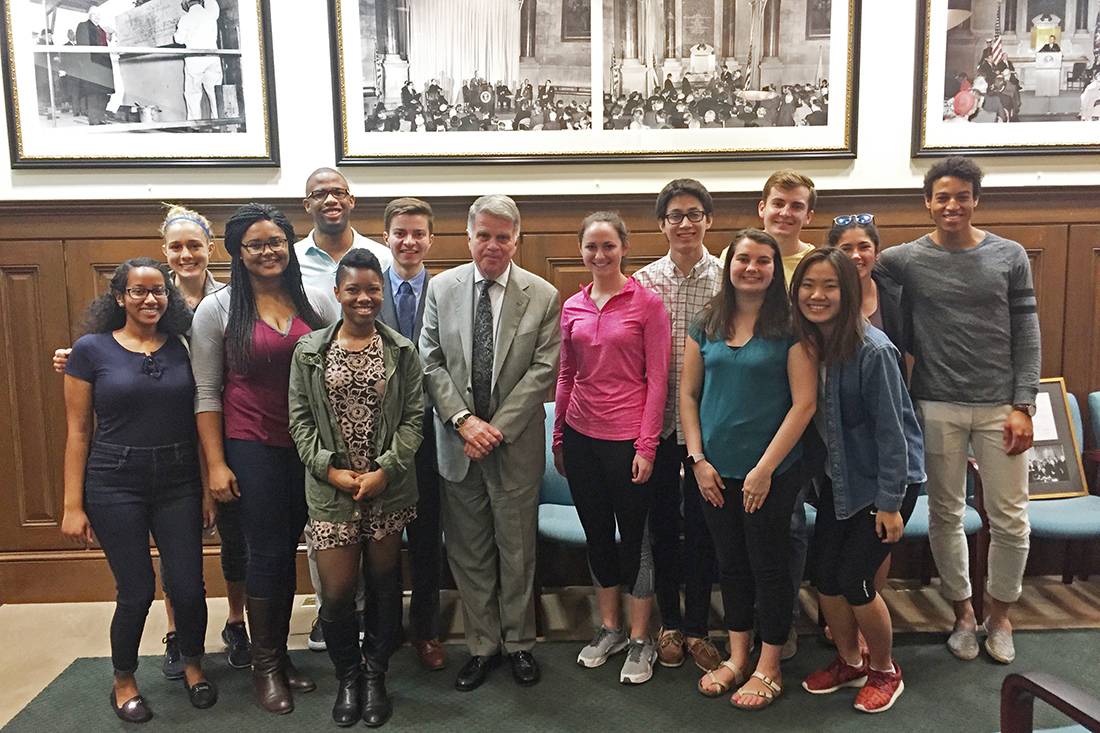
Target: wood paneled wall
[[55, 256]]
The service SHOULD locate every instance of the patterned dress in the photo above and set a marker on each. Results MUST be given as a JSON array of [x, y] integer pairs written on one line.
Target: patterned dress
[[355, 382]]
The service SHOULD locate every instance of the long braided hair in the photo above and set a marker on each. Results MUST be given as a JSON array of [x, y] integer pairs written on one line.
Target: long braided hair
[[242, 300]]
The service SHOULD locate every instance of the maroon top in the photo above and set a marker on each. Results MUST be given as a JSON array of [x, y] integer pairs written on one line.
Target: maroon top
[[255, 405]]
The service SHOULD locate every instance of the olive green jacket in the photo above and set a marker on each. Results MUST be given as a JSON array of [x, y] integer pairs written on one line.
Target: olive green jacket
[[317, 433]]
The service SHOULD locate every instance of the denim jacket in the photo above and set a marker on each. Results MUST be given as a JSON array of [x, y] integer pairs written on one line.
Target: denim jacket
[[316, 431], [876, 448]]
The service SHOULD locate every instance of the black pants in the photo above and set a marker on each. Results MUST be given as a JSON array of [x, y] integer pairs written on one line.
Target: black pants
[[753, 561], [273, 513], [599, 474], [847, 552], [234, 550], [425, 542], [128, 494], [695, 567]]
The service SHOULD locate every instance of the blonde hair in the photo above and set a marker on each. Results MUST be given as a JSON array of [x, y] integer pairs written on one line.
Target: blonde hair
[[178, 213]]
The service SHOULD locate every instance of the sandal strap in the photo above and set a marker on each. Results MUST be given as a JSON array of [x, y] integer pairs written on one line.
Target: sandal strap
[[731, 667], [768, 682]]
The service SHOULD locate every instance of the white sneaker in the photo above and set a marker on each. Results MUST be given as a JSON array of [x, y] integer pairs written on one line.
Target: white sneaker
[[638, 667], [605, 643]]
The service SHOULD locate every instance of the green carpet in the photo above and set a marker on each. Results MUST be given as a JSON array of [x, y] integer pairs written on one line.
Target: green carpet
[[941, 694]]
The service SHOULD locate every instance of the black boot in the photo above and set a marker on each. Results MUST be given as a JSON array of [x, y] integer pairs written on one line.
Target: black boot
[[295, 679], [272, 692], [377, 707], [342, 640]]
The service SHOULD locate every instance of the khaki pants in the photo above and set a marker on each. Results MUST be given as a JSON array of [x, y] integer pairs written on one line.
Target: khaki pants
[[949, 429]]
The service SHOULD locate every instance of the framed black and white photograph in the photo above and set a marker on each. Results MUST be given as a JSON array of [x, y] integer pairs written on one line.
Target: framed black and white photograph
[[996, 77], [473, 81], [698, 78], [460, 80], [139, 82], [1054, 468]]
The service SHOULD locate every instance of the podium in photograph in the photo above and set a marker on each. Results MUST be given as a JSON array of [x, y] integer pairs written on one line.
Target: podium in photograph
[[1048, 73]]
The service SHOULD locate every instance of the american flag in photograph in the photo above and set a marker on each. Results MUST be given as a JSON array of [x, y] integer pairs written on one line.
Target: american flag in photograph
[[998, 56]]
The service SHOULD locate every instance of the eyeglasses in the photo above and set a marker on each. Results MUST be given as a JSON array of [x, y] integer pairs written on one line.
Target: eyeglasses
[[693, 215], [151, 367], [139, 293], [340, 194], [845, 219], [256, 246]]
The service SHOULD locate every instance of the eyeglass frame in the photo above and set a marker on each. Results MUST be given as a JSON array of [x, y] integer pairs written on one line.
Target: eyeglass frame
[[340, 194], [846, 219], [257, 247], [685, 215], [162, 294]]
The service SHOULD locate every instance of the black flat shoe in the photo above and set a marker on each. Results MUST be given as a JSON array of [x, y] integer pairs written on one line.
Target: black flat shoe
[[202, 694], [475, 672], [134, 710], [525, 669]]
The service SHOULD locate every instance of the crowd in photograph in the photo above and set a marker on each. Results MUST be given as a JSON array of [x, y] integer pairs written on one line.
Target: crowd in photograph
[[480, 105], [338, 389], [721, 102]]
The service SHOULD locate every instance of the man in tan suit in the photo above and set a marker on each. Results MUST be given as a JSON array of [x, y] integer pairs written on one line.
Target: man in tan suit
[[490, 358]]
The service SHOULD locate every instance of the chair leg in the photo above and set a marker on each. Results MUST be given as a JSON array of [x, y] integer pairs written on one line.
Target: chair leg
[[540, 614], [926, 564], [1067, 564], [978, 561]]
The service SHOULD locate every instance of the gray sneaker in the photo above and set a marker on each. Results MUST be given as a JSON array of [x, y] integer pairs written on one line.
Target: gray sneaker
[[638, 667], [605, 643]]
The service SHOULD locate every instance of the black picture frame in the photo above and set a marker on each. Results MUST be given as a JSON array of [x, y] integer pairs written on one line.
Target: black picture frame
[[818, 18], [351, 77], [159, 143], [935, 137], [1055, 470], [576, 20]]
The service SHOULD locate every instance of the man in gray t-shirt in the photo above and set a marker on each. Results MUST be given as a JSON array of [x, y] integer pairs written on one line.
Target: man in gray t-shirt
[[975, 330]]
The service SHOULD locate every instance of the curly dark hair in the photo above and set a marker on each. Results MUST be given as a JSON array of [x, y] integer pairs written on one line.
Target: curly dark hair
[[242, 301], [104, 314], [954, 167], [774, 321]]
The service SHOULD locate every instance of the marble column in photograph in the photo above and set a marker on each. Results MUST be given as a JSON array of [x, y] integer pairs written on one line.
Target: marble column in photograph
[[633, 71], [771, 67], [395, 66]]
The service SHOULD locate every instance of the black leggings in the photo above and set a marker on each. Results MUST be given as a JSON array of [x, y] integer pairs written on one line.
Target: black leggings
[[339, 569], [753, 549], [846, 552], [599, 473], [273, 513], [128, 494]]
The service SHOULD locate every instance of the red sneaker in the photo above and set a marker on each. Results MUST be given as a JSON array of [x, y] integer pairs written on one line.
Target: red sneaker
[[881, 691], [838, 674]]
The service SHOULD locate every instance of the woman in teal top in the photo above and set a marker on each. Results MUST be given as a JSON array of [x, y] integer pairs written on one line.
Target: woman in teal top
[[747, 393]]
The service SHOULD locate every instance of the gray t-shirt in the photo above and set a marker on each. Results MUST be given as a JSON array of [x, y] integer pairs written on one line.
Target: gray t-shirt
[[975, 323]]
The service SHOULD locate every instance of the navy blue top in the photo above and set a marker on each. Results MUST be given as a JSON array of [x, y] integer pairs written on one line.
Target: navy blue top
[[133, 406], [746, 396]]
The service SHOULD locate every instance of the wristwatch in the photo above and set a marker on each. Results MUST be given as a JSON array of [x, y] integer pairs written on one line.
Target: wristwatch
[[461, 420], [693, 458], [1025, 408]]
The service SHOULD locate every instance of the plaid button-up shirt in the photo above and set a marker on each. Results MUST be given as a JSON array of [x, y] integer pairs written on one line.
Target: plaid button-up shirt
[[684, 296]]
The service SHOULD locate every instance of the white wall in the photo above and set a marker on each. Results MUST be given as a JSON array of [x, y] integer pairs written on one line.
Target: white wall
[[305, 129]]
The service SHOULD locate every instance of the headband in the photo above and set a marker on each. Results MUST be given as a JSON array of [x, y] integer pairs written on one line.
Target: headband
[[193, 220]]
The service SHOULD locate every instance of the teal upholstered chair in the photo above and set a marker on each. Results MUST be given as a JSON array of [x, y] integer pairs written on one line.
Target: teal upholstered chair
[[1075, 519], [1018, 695], [558, 520]]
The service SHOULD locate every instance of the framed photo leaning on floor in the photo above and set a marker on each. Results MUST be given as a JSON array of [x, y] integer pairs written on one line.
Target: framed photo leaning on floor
[[1054, 469], [114, 83]]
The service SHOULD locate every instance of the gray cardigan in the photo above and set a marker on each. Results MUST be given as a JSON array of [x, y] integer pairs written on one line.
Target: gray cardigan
[[208, 342]]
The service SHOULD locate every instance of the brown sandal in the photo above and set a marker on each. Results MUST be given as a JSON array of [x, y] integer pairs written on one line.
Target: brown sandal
[[770, 693], [716, 687]]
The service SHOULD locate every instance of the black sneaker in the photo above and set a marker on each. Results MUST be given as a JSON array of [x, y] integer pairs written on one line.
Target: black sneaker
[[316, 641], [238, 648], [173, 660]]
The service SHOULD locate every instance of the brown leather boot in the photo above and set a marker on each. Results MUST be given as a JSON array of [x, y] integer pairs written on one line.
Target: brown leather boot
[[295, 679], [272, 692]]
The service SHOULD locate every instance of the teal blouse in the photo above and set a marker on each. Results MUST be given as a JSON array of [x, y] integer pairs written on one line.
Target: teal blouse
[[746, 395]]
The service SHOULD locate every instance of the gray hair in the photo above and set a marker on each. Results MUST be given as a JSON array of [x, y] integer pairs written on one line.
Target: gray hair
[[497, 205]]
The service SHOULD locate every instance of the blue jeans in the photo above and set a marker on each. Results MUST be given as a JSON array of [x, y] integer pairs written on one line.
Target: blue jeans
[[128, 494], [273, 512]]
